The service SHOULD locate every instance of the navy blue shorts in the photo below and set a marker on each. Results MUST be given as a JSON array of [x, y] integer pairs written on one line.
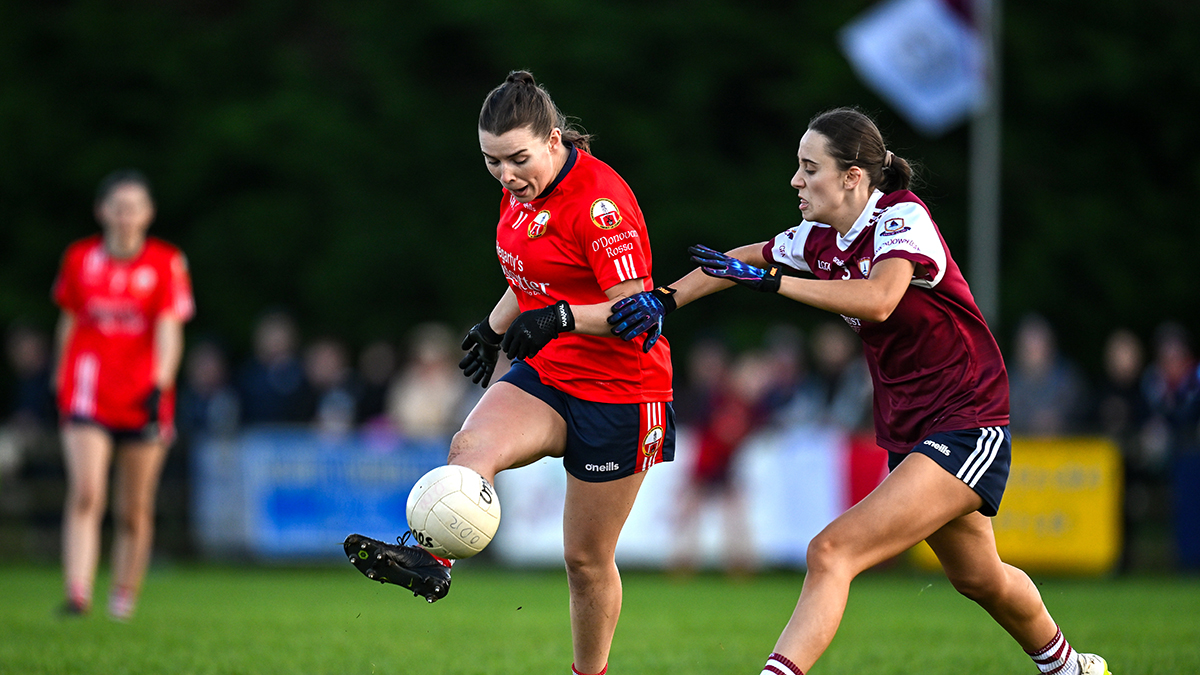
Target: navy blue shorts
[[978, 457], [119, 436], [605, 441]]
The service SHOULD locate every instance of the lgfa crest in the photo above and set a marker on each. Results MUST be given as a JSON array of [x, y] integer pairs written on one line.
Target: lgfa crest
[[605, 214], [537, 227]]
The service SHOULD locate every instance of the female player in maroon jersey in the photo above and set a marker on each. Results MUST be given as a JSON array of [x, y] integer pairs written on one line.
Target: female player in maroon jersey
[[571, 240], [124, 299], [941, 389]]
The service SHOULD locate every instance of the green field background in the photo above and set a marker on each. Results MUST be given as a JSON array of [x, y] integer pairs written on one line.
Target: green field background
[[256, 620]]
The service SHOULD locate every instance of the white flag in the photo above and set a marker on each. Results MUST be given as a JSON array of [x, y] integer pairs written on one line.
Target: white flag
[[921, 57]]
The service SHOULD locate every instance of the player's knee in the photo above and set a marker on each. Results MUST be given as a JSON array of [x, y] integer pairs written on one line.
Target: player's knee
[[134, 520], [977, 587], [583, 561], [85, 498], [825, 554], [464, 444]]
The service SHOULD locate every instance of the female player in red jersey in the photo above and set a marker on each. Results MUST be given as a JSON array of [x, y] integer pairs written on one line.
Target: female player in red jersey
[[124, 299], [941, 388], [571, 240]]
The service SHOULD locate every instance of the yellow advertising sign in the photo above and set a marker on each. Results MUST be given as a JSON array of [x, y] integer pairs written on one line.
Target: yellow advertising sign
[[1061, 510]]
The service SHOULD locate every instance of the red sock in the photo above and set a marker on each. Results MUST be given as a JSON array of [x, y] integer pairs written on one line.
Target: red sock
[[778, 664], [80, 595], [575, 671]]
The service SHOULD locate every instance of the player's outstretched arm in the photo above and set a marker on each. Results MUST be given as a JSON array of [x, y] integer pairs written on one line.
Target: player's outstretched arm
[[871, 299], [643, 313]]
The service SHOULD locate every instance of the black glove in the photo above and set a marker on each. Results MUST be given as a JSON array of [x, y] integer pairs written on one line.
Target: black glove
[[717, 264], [152, 430], [534, 329], [482, 345], [642, 313]]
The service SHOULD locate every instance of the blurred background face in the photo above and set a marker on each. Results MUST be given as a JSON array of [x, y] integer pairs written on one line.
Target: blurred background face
[[523, 163], [126, 214]]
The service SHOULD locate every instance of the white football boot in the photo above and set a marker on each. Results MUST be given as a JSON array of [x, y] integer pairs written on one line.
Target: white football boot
[[1090, 664]]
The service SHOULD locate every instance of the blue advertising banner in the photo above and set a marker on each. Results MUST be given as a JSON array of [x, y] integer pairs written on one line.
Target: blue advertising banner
[[292, 494]]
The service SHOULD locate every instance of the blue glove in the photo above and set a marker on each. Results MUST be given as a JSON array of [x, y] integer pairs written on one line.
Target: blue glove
[[642, 313], [482, 345], [535, 328], [717, 264]]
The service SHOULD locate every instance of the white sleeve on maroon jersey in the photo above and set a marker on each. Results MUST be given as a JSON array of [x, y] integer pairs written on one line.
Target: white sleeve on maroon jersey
[[906, 231], [787, 248]]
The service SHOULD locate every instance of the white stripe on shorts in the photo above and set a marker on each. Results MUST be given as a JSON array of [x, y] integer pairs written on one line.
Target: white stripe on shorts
[[981, 459], [654, 415], [83, 398]]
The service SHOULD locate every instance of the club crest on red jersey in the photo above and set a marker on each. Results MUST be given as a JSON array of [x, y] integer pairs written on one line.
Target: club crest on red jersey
[[605, 214], [143, 280], [653, 441], [537, 227]]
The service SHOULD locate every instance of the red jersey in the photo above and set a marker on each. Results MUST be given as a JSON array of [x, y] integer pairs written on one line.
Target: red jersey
[[934, 362], [585, 234], [108, 363]]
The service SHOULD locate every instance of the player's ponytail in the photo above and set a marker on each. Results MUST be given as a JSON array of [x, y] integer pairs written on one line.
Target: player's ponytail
[[897, 173], [521, 102], [854, 140]]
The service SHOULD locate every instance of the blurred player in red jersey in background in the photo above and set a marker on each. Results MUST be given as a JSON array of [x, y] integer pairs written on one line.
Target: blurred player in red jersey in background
[[124, 299], [940, 387], [571, 241]]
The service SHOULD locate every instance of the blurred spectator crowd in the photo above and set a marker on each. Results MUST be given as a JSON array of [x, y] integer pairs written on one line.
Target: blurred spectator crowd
[[1145, 395]]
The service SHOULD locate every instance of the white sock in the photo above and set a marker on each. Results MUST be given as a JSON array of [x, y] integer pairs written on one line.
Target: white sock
[[778, 664], [1057, 657]]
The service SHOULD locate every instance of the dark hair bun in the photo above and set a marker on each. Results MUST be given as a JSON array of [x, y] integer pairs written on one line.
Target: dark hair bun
[[521, 77]]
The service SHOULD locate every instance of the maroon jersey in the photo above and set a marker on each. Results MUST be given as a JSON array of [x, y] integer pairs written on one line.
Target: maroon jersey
[[934, 362], [585, 235]]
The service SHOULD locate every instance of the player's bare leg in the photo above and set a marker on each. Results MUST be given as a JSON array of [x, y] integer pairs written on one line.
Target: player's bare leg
[[966, 548], [87, 451], [138, 468], [508, 428], [592, 520], [915, 500]]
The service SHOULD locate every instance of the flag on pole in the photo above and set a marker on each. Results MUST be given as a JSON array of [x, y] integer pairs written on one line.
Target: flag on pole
[[923, 58]]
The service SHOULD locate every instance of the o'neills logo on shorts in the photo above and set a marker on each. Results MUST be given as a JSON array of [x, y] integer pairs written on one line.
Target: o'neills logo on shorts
[[603, 468], [605, 214], [653, 441]]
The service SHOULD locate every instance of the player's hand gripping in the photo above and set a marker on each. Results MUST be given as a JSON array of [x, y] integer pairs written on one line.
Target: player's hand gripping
[[535, 328], [642, 313], [717, 264], [482, 345]]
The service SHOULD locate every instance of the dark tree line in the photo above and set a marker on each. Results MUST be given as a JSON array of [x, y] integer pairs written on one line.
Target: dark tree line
[[323, 156]]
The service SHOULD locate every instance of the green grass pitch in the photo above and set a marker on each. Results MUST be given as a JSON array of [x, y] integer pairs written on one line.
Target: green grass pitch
[[277, 621]]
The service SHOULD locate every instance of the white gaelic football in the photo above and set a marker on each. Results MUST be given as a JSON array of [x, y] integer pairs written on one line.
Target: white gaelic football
[[453, 512]]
